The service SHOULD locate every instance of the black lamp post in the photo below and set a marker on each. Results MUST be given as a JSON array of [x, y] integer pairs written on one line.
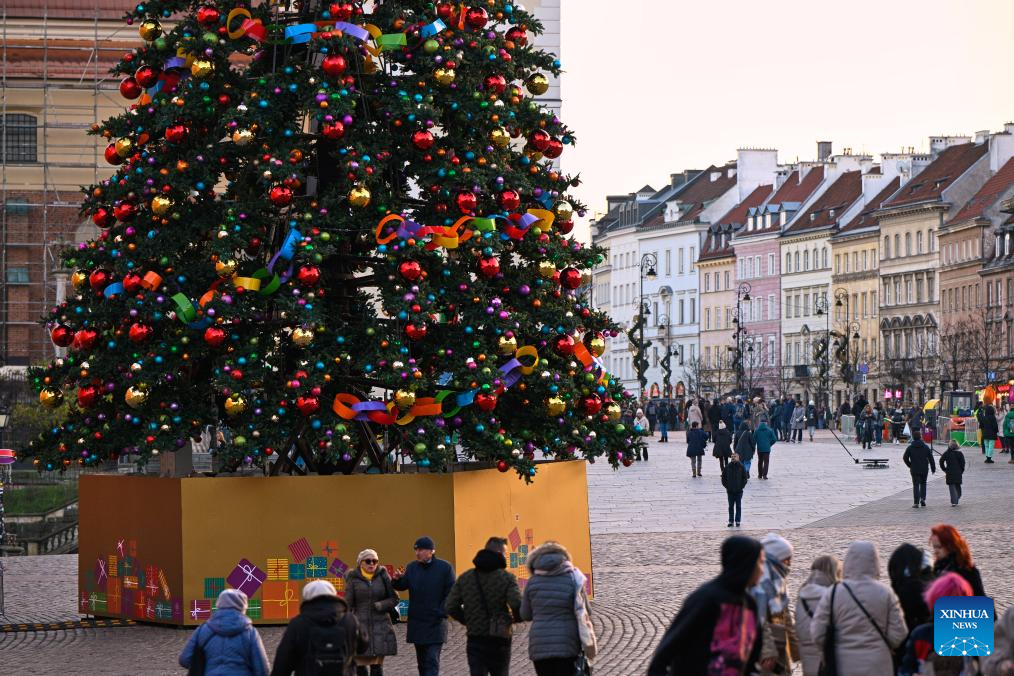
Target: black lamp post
[[742, 294], [648, 264]]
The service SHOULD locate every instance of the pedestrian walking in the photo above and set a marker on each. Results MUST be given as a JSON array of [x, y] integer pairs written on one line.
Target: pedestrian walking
[[952, 462], [714, 415], [651, 410], [735, 478], [919, 459], [741, 413], [370, 595], [776, 417], [764, 438], [811, 418], [323, 639], [229, 643], [1001, 661], [952, 554], [864, 615], [990, 430], [771, 593], [641, 423], [758, 412], [1008, 433], [554, 601], [486, 599], [824, 572], [697, 442], [744, 446], [788, 407], [694, 414], [915, 419], [866, 426], [428, 580], [723, 445], [910, 575], [717, 629], [919, 655], [729, 414], [798, 421], [663, 422]]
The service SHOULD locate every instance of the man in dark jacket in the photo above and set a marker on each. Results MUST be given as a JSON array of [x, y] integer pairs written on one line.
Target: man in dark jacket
[[323, 638], [697, 441], [919, 459], [717, 630], [952, 462], [734, 478], [486, 600], [428, 580]]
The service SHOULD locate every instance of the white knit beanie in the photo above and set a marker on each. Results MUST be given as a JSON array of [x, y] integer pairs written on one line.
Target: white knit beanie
[[777, 547]]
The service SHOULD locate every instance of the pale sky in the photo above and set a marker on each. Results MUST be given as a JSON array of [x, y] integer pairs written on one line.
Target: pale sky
[[652, 87]]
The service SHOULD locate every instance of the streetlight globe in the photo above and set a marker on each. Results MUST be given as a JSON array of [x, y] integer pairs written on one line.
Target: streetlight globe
[[650, 275], [746, 296]]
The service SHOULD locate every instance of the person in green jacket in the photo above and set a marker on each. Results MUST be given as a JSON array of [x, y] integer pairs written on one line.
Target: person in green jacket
[[765, 438], [1008, 434]]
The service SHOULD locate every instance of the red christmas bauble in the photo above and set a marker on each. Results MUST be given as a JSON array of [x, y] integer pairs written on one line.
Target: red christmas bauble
[[553, 149], [139, 332], [502, 465], [61, 336], [422, 139], [112, 157], [333, 65], [466, 202], [307, 405], [564, 226], [591, 404], [410, 270], [85, 339], [214, 336], [509, 200], [415, 332], [517, 35], [129, 88], [564, 345], [485, 401], [570, 278], [539, 139], [125, 211], [308, 275], [176, 133], [489, 267], [146, 76], [87, 396], [208, 16], [627, 462], [132, 282], [444, 10], [280, 196], [476, 17], [340, 11], [99, 279], [333, 130], [103, 218], [495, 83]]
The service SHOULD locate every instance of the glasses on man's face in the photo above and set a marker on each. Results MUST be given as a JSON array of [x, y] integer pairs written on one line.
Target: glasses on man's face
[[370, 562]]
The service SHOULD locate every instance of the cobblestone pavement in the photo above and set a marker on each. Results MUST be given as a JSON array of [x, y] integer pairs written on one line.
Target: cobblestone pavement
[[656, 534]]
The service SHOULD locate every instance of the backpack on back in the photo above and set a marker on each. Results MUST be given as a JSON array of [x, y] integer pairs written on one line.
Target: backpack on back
[[327, 654]]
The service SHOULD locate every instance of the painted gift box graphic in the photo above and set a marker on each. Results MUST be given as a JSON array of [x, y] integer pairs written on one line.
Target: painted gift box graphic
[[280, 600], [246, 577]]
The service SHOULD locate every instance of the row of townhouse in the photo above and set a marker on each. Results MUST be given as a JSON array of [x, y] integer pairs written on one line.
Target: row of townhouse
[[822, 279]]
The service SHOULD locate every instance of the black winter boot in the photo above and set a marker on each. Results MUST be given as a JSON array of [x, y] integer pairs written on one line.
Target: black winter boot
[[362, 671], [376, 670]]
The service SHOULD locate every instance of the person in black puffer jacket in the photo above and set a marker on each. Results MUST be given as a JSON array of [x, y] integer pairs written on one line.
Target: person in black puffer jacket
[[744, 445], [371, 598], [324, 631], [723, 444], [734, 478], [481, 595], [910, 575], [919, 459]]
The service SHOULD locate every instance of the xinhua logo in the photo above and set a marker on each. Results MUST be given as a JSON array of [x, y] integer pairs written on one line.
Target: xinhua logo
[[963, 625]]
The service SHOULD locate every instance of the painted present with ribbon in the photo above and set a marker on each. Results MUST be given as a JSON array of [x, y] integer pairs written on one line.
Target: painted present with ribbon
[[278, 569], [514, 538], [177, 605], [126, 565], [97, 602], [338, 583], [297, 571], [140, 605], [200, 609], [213, 586], [253, 609], [280, 600], [316, 566], [338, 568], [329, 548], [163, 585], [149, 608], [151, 586], [114, 597], [163, 610], [101, 574], [82, 603], [300, 550], [127, 605], [112, 565], [246, 577], [131, 582]]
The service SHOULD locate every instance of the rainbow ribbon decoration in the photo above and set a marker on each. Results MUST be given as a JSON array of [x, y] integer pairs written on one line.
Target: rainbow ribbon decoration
[[350, 407], [451, 236]]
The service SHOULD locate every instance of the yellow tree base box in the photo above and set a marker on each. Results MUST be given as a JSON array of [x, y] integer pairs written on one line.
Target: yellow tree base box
[[161, 549]]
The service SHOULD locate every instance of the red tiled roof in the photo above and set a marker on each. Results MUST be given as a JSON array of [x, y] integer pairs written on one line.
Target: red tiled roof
[[988, 194], [867, 217], [795, 190], [839, 196], [940, 174], [737, 216], [702, 190]]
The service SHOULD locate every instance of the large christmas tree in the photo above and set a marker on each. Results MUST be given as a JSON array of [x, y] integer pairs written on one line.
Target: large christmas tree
[[334, 232]]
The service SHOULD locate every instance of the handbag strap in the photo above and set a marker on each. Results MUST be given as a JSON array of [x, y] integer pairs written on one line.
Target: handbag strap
[[806, 607], [868, 617]]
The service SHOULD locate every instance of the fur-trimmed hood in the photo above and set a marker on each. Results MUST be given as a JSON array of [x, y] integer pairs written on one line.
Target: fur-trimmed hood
[[547, 557]]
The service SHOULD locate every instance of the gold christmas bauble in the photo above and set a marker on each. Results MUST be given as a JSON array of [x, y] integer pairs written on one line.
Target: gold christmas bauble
[[79, 278], [537, 84], [160, 204], [124, 146], [242, 137], [507, 345], [302, 337], [613, 411], [555, 406], [597, 345], [136, 396], [235, 404], [201, 68], [547, 269], [149, 30], [50, 397], [359, 196], [404, 399], [444, 76], [225, 268], [499, 137], [563, 210]]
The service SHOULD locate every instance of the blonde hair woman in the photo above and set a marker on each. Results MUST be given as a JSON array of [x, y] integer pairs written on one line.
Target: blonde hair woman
[[371, 598]]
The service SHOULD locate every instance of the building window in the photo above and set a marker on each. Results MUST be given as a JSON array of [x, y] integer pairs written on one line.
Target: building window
[[887, 246], [19, 133], [908, 244], [865, 262], [718, 281], [788, 262], [682, 316], [707, 282], [918, 242], [771, 307], [806, 260], [693, 258], [17, 275], [771, 350], [727, 283], [707, 319], [823, 258], [897, 245], [837, 264], [771, 264], [679, 262], [795, 261], [693, 310]]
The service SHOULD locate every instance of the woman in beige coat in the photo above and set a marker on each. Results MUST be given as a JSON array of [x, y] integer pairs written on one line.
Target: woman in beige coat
[[824, 572], [864, 641]]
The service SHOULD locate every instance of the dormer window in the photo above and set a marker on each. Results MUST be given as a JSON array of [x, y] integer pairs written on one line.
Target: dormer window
[[767, 220], [830, 213], [813, 217], [1006, 244]]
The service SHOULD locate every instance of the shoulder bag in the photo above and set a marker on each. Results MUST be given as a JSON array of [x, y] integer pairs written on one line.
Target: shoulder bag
[[829, 660], [875, 625], [499, 623]]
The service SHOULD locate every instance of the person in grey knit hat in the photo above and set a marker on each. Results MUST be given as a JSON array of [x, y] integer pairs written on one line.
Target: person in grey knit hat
[[231, 645], [780, 646]]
